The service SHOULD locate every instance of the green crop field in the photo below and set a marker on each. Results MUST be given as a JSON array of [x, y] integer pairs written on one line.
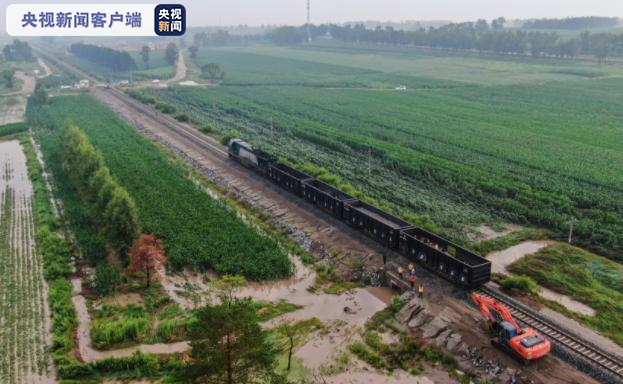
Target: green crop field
[[472, 139], [197, 230]]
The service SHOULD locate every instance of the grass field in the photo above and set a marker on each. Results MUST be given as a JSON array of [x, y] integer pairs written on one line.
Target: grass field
[[588, 278], [197, 230], [23, 302], [528, 141]]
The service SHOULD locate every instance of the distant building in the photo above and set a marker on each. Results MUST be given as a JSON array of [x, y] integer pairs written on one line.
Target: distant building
[[401, 88], [84, 84]]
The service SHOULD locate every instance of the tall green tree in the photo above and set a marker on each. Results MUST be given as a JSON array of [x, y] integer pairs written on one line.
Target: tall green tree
[[145, 55], [8, 76], [229, 346], [171, 53], [121, 223], [213, 72]]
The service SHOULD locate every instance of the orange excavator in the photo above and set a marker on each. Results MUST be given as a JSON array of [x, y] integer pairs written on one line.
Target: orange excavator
[[525, 344]]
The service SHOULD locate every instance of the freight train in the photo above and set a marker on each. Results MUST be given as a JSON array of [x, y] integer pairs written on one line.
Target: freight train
[[448, 260]]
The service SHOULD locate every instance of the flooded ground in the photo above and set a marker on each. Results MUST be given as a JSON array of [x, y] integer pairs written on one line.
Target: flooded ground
[[343, 316], [24, 316], [13, 105]]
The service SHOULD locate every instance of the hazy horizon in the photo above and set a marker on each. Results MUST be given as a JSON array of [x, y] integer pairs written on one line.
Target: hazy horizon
[[293, 12]]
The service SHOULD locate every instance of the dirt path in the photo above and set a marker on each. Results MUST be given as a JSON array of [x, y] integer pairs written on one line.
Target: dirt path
[[24, 318], [180, 71], [28, 83], [46, 70], [502, 259]]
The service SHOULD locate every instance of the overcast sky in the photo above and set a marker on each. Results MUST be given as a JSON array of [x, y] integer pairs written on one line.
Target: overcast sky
[[256, 12]]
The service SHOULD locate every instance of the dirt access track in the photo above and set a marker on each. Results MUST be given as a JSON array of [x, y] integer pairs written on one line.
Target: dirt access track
[[350, 247]]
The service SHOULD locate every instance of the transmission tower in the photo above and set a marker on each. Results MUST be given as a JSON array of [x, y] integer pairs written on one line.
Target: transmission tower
[[308, 22]]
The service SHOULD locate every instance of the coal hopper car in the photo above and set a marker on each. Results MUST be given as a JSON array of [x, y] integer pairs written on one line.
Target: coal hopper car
[[454, 263]]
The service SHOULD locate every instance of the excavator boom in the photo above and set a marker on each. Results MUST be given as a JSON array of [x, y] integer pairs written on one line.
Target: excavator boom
[[526, 344], [494, 311]]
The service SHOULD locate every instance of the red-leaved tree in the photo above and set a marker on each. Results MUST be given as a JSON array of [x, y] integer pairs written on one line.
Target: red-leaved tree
[[146, 255]]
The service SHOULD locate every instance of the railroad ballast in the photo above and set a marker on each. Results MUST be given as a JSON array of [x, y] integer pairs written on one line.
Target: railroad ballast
[[448, 260]]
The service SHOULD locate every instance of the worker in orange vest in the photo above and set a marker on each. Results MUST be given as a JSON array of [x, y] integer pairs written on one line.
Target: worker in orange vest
[[420, 291], [412, 278]]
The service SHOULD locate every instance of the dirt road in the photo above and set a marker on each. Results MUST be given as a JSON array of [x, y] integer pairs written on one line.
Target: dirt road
[[46, 70], [180, 71]]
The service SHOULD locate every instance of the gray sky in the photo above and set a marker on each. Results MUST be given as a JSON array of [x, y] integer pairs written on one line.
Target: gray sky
[[256, 12]]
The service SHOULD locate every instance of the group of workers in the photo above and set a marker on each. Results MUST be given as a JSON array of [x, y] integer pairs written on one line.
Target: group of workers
[[412, 278]]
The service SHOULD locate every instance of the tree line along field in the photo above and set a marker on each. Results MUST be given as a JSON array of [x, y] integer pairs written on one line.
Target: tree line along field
[[197, 230], [158, 68], [463, 152]]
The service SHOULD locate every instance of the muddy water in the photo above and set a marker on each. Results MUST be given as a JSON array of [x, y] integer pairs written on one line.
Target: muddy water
[[83, 334], [502, 259]]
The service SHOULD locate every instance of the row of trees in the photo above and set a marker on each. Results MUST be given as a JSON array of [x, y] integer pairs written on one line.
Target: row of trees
[[104, 56], [480, 35], [574, 23], [111, 205], [18, 51]]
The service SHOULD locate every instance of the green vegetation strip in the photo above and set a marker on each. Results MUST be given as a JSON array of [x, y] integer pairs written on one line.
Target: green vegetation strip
[[10, 129], [585, 277], [197, 230]]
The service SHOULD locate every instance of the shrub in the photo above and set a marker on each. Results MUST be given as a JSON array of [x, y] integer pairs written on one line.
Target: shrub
[[107, 279], [229, 135], [521, 283], [208, 128], [106, 333], [164, 107], [182, 116]]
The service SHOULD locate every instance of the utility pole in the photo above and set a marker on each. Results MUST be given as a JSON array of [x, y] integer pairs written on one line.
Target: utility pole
[[309, 39], [571, 223], [271, 125]]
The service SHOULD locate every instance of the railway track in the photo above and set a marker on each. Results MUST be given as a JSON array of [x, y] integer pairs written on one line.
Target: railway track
[[560, 336], [596, 357]]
